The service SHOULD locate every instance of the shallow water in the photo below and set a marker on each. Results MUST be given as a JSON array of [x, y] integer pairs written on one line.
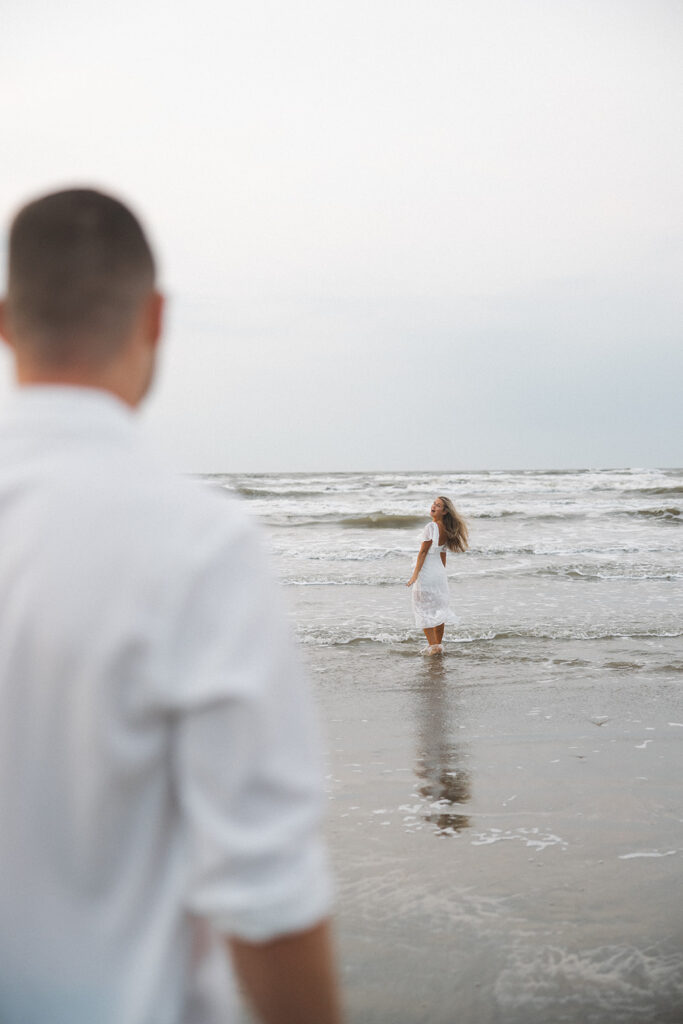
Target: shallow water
[[505, 823], [553, 555]]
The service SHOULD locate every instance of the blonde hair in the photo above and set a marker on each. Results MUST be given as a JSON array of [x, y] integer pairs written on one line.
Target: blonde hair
[[454, 526]]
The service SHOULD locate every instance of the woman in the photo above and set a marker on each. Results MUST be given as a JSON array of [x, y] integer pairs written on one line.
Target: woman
[[447, 530]]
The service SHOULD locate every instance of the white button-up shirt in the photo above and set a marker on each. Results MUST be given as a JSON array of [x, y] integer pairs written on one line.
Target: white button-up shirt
[[156, 751]]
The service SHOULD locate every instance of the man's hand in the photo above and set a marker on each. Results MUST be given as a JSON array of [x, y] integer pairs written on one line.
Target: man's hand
[[290, 980]]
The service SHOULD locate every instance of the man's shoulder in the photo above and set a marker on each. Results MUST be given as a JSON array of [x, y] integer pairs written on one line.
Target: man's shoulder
[[184, 503], [137, 497], [200, 504]]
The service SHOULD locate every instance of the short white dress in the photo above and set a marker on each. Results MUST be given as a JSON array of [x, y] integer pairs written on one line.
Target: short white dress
[[431, 600]]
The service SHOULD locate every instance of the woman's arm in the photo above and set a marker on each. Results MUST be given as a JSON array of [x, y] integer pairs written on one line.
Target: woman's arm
[[421, 555], [443, 558]]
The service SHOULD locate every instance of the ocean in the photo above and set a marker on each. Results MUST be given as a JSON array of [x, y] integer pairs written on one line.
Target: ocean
[[587, 556], [505, 823]]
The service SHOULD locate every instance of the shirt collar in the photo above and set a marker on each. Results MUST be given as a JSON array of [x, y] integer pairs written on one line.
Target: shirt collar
[[67, 406]]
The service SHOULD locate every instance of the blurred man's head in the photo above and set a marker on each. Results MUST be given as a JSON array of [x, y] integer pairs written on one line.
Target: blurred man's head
[[81, 292]]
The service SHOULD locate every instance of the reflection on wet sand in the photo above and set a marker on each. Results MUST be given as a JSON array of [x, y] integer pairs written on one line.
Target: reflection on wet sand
[[440, 761]]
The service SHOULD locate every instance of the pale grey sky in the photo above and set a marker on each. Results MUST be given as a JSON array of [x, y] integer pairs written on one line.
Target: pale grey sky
[[394, 234]]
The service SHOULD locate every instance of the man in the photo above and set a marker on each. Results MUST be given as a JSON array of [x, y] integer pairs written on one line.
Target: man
[[158, 780]]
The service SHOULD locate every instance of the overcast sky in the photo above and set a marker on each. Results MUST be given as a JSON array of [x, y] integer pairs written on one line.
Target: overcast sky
[[394, 235]]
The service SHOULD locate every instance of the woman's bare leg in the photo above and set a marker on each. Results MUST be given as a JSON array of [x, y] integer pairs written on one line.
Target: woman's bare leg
[[430, 633], [433, 639]]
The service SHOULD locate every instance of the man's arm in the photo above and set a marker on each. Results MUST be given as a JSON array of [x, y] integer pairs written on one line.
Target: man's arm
[[289, 980], [249, 782]]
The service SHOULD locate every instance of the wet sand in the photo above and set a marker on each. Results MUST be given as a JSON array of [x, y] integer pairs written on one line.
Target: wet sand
[[506, 850]]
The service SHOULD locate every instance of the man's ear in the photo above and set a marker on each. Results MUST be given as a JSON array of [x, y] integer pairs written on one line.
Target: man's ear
[[156, 305], [4, 327]]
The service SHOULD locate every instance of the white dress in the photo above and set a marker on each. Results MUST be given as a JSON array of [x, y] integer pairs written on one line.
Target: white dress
[[430, 589]]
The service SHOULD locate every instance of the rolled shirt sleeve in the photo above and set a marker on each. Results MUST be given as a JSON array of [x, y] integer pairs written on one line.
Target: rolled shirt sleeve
[[246, 756]]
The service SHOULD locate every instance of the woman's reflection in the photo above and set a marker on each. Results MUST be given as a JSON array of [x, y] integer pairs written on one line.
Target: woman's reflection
[[446, 783]]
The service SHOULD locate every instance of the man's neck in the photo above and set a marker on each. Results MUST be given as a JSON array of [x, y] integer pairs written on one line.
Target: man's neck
[[111, 382]]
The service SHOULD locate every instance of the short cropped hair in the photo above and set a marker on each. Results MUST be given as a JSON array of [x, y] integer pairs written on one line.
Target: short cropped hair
[[79, 268]]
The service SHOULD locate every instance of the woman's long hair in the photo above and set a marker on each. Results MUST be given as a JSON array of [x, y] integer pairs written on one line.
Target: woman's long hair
[[454, 526]]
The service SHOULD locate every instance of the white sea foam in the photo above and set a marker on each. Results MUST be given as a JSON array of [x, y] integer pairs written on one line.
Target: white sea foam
[[593, 986], [534, 838], [364, 632], [647, 853]]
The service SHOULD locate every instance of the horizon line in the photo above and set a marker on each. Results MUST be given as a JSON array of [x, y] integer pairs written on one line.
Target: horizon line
[[436, 472]]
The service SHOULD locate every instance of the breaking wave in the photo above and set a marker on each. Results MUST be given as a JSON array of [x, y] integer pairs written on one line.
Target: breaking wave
[[264, 492], [602, 573], [675, 491], [383, 521], [351, 635], [671, 514]]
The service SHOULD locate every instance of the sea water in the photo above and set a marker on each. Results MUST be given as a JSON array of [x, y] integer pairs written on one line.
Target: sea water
[[554, 556], [505, 822]]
